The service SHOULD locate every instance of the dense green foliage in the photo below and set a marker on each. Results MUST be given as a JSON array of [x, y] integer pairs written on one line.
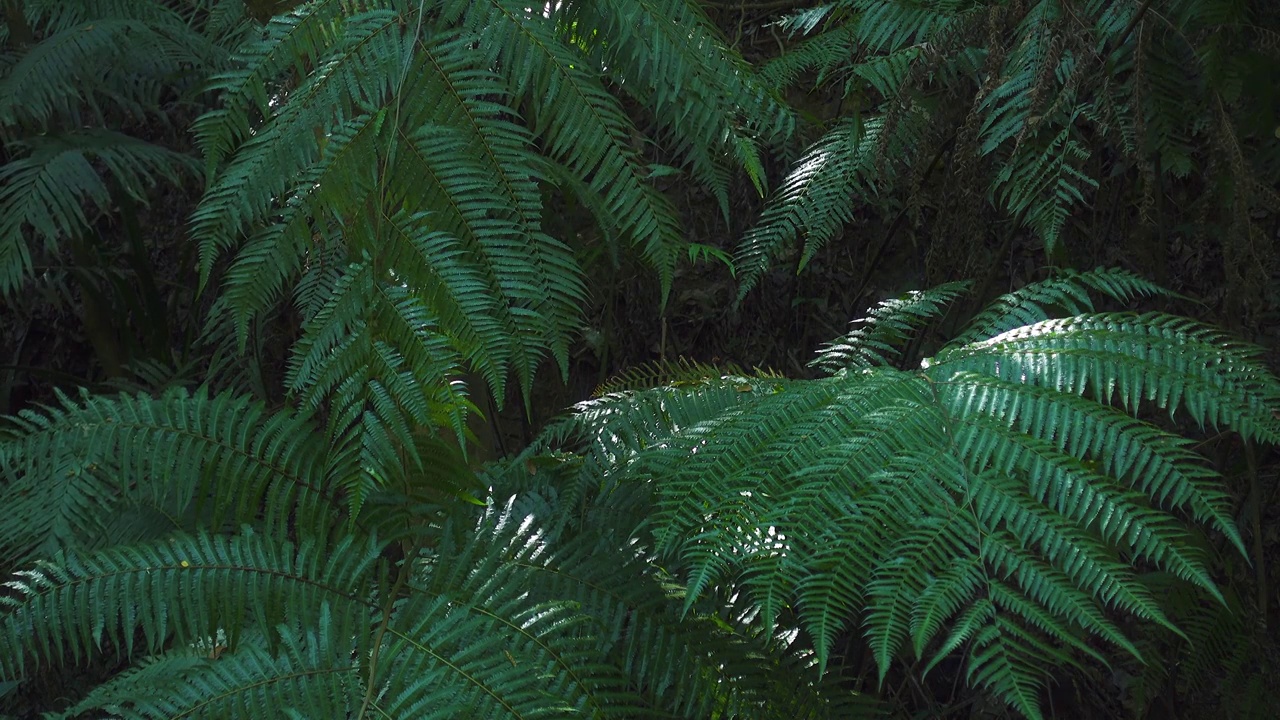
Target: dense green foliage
[[268, 491], [1033, 107]]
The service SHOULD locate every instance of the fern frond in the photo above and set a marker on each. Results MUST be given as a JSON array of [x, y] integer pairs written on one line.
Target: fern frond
[[661, 52], [888, 324], [889, 25], [376, 354], [72, 604], [821, 54], [580, 123], [1068, 291], [993, 503], [314, 673], [93, 56], [47, 191], [1043, 184], [813, 200], [75, 465], [1173, 362], [1004, 659]]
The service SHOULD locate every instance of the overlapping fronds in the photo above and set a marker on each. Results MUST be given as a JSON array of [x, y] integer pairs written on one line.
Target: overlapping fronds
[[89, 67], [408, 146], [668, 56], [527, 609], [183, 589], [997, 502], [1034, 104], [1067, 293], [74, 469]]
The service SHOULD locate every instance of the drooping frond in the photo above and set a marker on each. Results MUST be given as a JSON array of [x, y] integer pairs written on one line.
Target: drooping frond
[[889, 323], [409, 155], [49, 188], [578, 122], [377, 354], [1044, 183], [820, 194]]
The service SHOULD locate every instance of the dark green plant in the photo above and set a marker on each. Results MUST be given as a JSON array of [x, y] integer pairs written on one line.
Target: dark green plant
[[381, 165], [95, 97], [378, 168], [73, 75]]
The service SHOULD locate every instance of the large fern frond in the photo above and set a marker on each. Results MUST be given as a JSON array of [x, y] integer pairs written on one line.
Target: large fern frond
[[250, 620], [993, 503]]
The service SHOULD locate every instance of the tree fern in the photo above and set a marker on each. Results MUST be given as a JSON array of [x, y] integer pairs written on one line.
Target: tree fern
[[414, 145], [992, 502]]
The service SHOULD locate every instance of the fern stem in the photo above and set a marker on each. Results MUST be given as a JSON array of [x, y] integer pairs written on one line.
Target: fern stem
[[1255, 521], [402, 577], [1133, 22]]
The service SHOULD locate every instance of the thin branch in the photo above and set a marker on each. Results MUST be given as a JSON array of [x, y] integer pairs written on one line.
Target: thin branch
[[1137, 18]]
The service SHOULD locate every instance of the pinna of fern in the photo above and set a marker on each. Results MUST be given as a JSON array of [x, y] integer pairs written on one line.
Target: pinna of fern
[[222, 605], [1003, 500]]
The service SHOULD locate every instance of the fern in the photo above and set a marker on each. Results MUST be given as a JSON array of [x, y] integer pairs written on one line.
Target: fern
[[93, 65], [417, 144], [1068, 292], [1033, 102], [992, 503], [377, 173], [817, 198], [887, 325], [451, 610], [72, 469]]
